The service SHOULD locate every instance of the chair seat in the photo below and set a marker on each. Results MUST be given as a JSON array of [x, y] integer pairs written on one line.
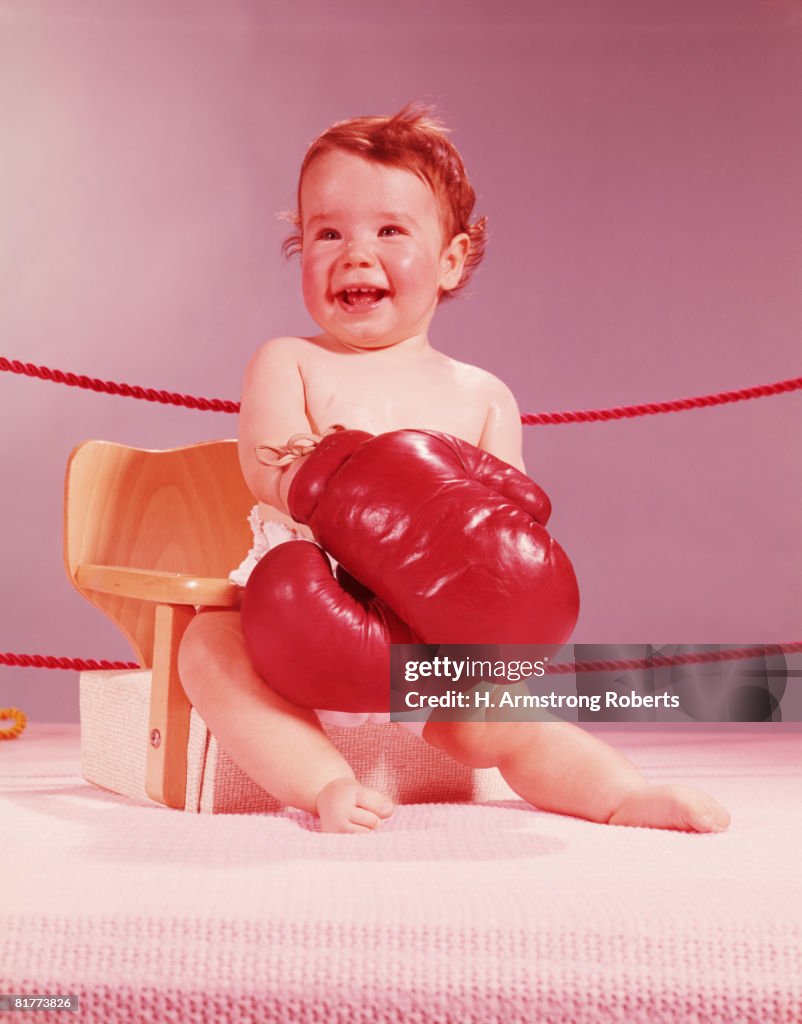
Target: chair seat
[[114, 745]]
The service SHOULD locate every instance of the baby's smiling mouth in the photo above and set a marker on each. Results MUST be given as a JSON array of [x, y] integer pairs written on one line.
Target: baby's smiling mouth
[[361, 296]]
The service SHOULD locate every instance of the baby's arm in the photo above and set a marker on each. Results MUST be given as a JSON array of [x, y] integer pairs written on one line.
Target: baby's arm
[[272, 409], [502, 434]]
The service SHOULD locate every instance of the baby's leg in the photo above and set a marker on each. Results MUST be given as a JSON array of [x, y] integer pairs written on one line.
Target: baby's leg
[[559, 767], [280, 746]]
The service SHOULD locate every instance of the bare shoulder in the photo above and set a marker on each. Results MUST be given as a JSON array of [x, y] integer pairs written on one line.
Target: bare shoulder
[[497, 392], [485, 386], [272, 403], [283, 351], [501, 434], [287, 361]]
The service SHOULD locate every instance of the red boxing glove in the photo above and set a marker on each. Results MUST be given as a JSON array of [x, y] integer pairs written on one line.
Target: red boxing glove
[[321, 642], [450, 537]]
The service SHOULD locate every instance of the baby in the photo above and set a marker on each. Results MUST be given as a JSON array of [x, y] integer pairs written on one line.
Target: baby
[[384, 234]]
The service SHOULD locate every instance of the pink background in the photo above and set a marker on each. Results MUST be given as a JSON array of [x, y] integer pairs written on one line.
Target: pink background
[[640, 168]]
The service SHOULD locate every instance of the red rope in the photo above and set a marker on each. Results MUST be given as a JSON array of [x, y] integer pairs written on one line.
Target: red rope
[[528, 419], [661, 661], [109, 387], [79, 664], [620, 412], [558, 668]]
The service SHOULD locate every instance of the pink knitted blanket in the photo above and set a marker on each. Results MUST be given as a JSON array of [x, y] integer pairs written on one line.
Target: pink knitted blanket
[[463, 913]]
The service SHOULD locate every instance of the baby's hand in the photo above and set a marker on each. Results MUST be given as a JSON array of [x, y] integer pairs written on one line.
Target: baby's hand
[[344, 805]]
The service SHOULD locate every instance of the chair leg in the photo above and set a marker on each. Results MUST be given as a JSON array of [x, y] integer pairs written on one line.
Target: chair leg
[[168, 723]]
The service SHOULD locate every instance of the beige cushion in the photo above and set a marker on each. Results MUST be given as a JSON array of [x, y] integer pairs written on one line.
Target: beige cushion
[[114, 741]]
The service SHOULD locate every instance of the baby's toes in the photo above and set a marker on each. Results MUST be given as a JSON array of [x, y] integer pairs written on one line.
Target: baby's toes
[[378, 804], [692, 810], [361, 820], [703, 814]]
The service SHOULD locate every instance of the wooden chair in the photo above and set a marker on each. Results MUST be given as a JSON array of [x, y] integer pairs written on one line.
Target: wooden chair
[[148, 536]]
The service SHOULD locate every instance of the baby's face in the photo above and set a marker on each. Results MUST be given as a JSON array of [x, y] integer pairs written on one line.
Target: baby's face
[[373, 257]]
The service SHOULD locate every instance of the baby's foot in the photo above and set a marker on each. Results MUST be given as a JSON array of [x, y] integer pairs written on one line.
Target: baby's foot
[[346, 806], [678, 807]]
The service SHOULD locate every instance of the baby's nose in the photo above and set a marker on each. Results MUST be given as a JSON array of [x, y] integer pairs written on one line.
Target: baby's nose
[[358, 256]]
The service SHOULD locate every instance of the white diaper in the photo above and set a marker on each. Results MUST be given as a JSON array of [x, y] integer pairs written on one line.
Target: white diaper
[[267, 535]]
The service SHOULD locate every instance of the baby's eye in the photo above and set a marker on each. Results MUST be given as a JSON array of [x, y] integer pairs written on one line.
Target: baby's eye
[[390, 230], [328, 234]]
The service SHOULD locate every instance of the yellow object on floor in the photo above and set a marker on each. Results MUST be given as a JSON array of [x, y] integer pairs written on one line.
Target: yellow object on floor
[[10, 732]]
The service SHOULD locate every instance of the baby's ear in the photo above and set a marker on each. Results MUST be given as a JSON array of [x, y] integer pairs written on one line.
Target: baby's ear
[[452, 261]]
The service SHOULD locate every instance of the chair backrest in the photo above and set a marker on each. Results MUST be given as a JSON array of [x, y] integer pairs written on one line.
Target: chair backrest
[[182, 510]]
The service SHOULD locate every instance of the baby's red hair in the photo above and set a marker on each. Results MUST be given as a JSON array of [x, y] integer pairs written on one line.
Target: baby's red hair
[[415, 140]]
